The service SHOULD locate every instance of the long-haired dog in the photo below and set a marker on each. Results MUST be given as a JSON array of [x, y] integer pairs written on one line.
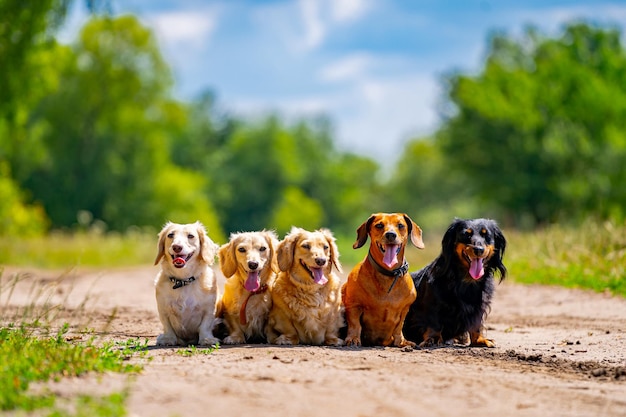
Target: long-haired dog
[[379, 290], [248, 261], [454, 291], [186, 290], [306, 297]]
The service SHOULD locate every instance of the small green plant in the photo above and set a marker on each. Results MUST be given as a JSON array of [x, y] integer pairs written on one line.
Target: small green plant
[[27, 358], [193, 350]]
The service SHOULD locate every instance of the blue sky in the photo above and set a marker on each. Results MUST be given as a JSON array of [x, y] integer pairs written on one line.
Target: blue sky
[[373, 66]]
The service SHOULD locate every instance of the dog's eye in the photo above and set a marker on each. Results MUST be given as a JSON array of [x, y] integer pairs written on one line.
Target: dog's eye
[[306, 246], [262, 249], [241, 249], [379, 226], [325, 247], [401, 226], [468, 232], [190, 236], [171, 235]]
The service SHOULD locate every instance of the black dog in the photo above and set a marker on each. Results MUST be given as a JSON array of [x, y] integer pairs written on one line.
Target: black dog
[[454, 291]]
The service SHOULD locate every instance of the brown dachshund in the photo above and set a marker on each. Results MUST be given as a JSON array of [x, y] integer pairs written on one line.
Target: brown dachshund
[[379, 290]]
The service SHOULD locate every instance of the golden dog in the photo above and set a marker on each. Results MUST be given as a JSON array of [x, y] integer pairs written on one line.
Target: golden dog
[[248, 262], [186, 290], [306, 294], [379, 290]]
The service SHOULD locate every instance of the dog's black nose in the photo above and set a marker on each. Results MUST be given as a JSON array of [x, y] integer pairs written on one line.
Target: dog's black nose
[[479, 250], [253, 265], [320, 261], [390, 236], [177, 248]]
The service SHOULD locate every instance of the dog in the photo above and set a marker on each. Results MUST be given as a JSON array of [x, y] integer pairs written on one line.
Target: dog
[[455, 290], [379, 290], [248, 261], [306, 294], [186, 289]]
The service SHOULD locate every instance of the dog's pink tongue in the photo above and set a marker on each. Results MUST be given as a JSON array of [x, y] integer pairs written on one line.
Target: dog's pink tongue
[[252, 282], [476, 268], [391, 255], [318, 276], [179, 262]]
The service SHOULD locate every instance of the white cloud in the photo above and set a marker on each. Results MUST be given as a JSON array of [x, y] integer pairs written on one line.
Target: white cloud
[[184, 27], [320, 17], [384, 113], [349, 68], [347, 10], [314, 27]]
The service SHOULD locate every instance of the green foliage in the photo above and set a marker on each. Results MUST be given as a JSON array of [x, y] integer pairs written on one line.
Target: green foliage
[[26, 359], [16, 217], [540, 131], [429, 189], [591, 256], [296, 209]]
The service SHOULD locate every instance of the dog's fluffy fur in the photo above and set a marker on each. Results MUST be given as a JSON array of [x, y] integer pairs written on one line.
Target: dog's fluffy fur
[[248, 261], [186, 290], [379, 290], [306, 297], [455, 290]]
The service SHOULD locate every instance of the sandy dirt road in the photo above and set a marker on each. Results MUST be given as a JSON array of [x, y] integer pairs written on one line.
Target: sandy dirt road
[[560, 352]]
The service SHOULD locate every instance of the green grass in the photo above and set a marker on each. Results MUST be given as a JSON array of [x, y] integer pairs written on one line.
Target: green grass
[[60, 250], [592, 256], [27, 357], [194, 351]]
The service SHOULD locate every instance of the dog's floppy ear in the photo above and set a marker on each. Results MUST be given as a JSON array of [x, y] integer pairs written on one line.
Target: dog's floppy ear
[[500, 245], [208, 248], [272, 245], [448, 243], [286, 249], [161, 245], [226, 254], [415, 232], [362, 232], [334, 251]]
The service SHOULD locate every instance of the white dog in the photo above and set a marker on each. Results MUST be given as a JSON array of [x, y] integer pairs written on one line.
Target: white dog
[[186, 289]]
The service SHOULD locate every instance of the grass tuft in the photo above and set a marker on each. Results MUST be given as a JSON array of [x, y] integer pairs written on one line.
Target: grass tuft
[[27, 358]]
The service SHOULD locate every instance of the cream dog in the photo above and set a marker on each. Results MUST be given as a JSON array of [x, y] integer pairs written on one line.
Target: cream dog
[[248, 261], [306, 294], [186, 289]]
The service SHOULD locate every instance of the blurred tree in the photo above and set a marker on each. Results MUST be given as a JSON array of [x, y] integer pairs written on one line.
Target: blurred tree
[[16, 217], [430, 189], [268, 175], [540, 133], [29, 57], [108, 131]]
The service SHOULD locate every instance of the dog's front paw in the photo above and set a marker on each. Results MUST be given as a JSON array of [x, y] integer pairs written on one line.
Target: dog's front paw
[[167, 339], [405, 343], [483, 342], [208, 341], [431, 342], [333, 341], [284, 340], [353, 341], [234, 340]]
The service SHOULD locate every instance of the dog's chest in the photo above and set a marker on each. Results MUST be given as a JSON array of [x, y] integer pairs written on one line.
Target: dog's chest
[[187, 308]]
